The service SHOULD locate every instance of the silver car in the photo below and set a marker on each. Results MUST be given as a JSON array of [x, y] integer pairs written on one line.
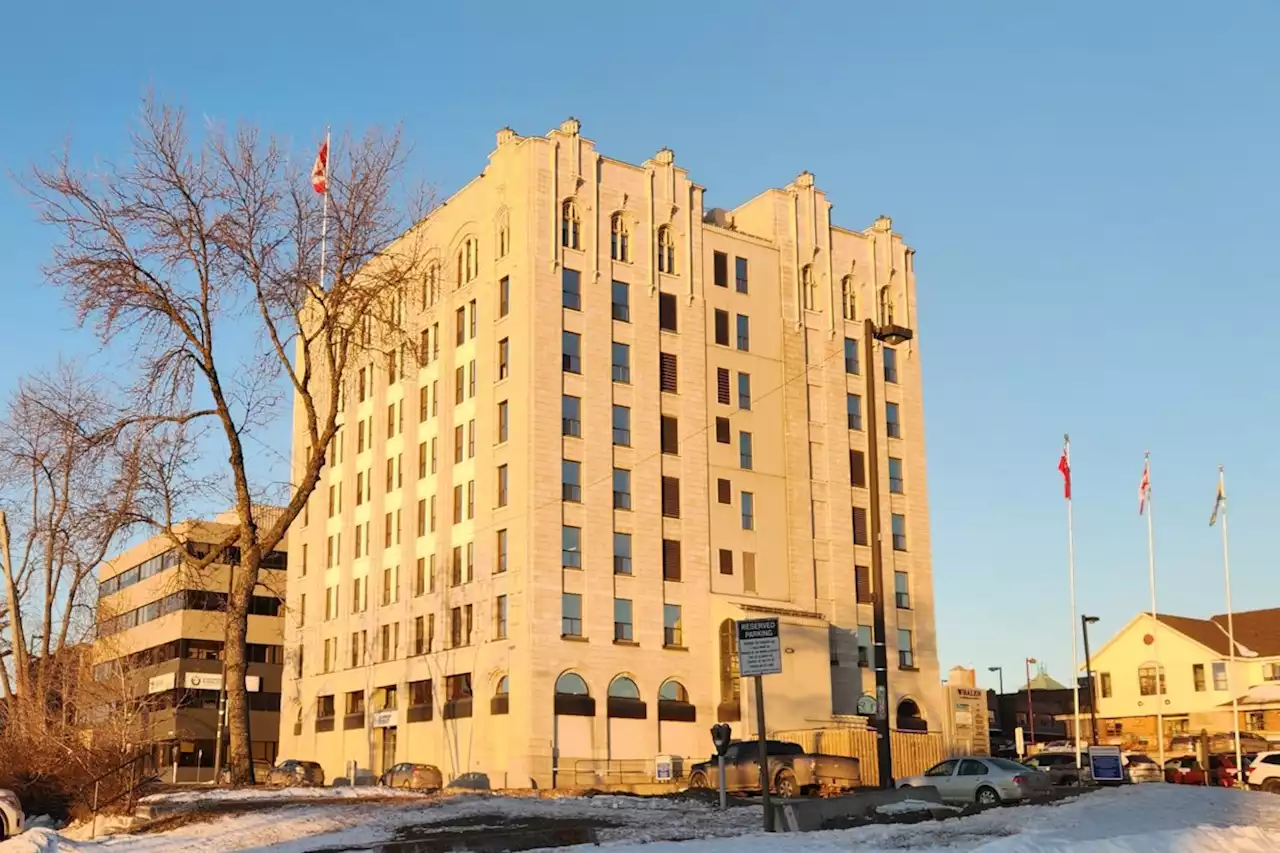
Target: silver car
[[982, 780]]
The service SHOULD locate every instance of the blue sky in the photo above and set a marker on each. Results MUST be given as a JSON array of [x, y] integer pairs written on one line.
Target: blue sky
[[1090, 189]]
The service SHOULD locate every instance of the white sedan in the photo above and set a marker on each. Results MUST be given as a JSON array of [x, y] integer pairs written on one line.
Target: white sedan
[[11, 817]]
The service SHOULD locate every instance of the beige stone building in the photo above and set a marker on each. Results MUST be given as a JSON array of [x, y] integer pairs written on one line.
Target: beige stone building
[[161, 629], [966, 721], [625, 421]]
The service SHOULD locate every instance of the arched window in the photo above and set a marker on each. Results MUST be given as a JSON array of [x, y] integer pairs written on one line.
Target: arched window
[[468, 260], [730, 684], [623, 687], [808, 288], [1147, 679], [572, 697], [501, 701], [503, 688], [666, 250], [503, 235], [886, 306], [673, 691], [619, 245], [431, 285], [909, 717], [848, 298], [674, 704], [571, 684], [570, 225]]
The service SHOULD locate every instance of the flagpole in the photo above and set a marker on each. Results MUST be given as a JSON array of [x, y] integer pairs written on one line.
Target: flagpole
[[1071, 572], [1155, 618], [1231, 628], [324, 217]]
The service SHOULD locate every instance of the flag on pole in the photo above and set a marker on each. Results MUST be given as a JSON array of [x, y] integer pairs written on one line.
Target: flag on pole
[[1219, 504], [320, 171], [1064, 465], [1144, 487]]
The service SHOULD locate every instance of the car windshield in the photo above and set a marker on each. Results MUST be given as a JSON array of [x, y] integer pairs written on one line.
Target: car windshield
[[781, 747], [1005, 764]]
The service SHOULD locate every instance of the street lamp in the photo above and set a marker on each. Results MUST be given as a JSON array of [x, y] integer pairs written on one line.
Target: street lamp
[[1031, 716], [889, 334], [1085, 622], [1000, 670]]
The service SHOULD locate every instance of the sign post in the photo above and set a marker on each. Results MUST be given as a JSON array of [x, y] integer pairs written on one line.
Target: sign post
[[760, 654], [1106, 764]]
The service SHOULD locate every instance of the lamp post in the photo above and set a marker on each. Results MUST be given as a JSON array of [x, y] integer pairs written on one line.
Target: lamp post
[[890, 334], [1000, 670], [1031, 716], [1085, 622]]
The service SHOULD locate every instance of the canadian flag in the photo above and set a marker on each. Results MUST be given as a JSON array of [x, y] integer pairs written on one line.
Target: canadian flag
[[1144, 487], [1064, 465], [320, 171]]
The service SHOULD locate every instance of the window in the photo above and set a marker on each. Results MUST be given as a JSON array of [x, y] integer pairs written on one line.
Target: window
[[666, 250], [857, 469], [500, 559], [723, 434], [892, 426], [859, 526], [670, 497], [621, 488], [722, 327], [1147, 680], [471, 380], [622, 621], [621, 362], [668, 373], [500, 618], [571, 416], [901, 591], [503, 421], [1104, 684], [724, 491], [455, 627], [571, 352], [726, 561], [1270, 671], [720, 267], [895, 475], [504, 358], [670, 435], [570, 225], [471, 499], [571, 547], [848, 300], [1197, 677], [621, 302], [744, 391], [457, 444], [744, 450], [420, 646], [570, 615], [473, 318], [748, 572], [671, 559], [571, 480], [621, 553], [460, 327], [459, 384], [808, 288], [1219, 676], [457, 504], [504, 296], [862, 585], [571, 289], [722, 386], [899, 523], [906, 655], [502, 485], [619, 240], [740, 274], [621, 426], [744, 332], [468, 260], [672, 626], [853, 410], [667, 312], [890, 365], [748, 511]]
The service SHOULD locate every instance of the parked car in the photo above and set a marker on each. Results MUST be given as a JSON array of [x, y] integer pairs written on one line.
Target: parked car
[[987, 781], [792, 771], [416, 777], [1187, 770], [1061, 767], [295, 772], [1264, 773], [11, 816], [1139, 768], [1220, 743]]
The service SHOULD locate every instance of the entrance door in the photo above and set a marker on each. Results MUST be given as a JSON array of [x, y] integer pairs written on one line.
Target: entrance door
[[387, 754]]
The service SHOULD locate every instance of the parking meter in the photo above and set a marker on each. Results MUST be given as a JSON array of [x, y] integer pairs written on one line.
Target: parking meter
[[721, 737]]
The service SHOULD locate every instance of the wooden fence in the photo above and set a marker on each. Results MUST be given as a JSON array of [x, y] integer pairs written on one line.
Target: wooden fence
[[913, 752]]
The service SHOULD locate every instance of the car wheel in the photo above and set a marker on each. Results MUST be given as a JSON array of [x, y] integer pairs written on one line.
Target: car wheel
[[4, 828], [1069, 780], [699, 780], [785, 784], [988, 796], [1271, 786]]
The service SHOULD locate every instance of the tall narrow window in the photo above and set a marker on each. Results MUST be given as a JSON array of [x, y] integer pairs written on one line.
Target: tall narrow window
[[892, 425], [902, 590], [502, 485], [672, 626], [571, 480], [621, 362], [850, 355], [895, 475], [571, 352], [848, 299], [744, 450], [504, 358], [722, 327], [726, 561], [890, 365], [504, 421], [667, 312], [899, 532], [571, 416], [621, 426], [720, 269], [666, 250], [620, 239], [570, 225], [571, 547], [740, 274], [500, 560], [621, 302], [621, 553], [571, 289], [669, 435], [571, 615], [504, 296], [906, 652], [808, 288], [744, 391], [671, 497], [622, 620], [860, 526], [671, 559], [748, 511], [744, 332], [668, 373], [857, 469], [621, 488], [853, 410]]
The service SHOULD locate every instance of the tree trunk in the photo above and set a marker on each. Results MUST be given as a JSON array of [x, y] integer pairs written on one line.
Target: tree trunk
[[240, 752], [17, 638]]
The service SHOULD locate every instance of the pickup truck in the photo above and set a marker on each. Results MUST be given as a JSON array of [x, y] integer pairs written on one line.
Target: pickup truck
[[792, 772]]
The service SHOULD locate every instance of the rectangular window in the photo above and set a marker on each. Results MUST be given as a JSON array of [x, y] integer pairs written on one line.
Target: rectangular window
[[391, 420], [862, 585], [726, 561], [570, 615], [435, 397], [1147, 680], [621, 426], [422, 517], [748, 511], [471, 499], [670, 497], [502, 485], [1197, 677], [748, 572], [622, 620], [744, 391], [1219, 676], [457, 504], [455, 627], [724, 491], [722, 386], [672, 626], [744, 332], [500, 559], [667, 312], [668, 373], [473, 317], [720, 268], [744, 450], [424, 403], [471, 379], [500, 618], [892, 426], [571, 289], [671, 559], [420, 577], [723, 433], [621, 553], [853, 410], [460, 326], [850, 355], [857, 469], [899, 532], [419, 639], [431, 513], [621, 488], [906, 654], [571, 480], [669, 435], [571, 355], [457, 444], [901, 591], [504, 296], [504, 421], [571, 416], [455, 567], [859, 526], [895, 475], [504, 358], [621, 362], [621, 302], [890, 365], [740, 274], [571, 547], [1104, 684], [722, 327], [459, 385]]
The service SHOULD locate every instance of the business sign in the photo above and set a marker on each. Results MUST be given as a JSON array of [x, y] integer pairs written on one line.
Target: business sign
[[213, 681], [384, 719], [1106, 764], [161, 683], [759, 647]]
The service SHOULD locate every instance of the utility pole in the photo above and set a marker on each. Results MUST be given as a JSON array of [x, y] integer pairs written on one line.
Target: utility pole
[[1031, 716], [1085, 622]]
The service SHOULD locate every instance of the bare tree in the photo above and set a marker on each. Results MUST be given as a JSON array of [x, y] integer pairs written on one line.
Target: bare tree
[[201, 260]]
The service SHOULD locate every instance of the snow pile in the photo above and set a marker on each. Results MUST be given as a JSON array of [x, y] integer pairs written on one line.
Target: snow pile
[[251, 795], [1261, 694], [908, 806]]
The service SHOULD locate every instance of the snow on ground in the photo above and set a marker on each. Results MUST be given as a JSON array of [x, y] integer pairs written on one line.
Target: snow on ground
[[205, 795], [1138, 819], [909, 806]]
